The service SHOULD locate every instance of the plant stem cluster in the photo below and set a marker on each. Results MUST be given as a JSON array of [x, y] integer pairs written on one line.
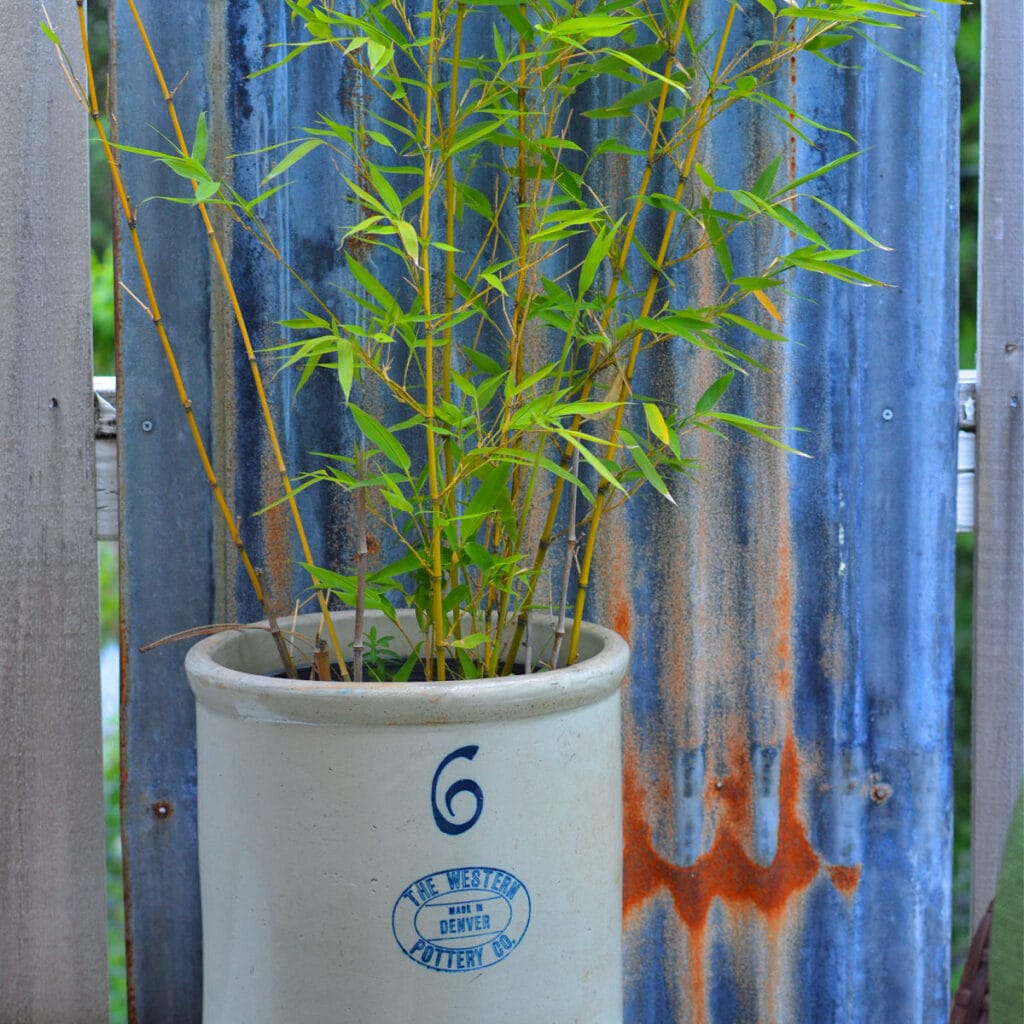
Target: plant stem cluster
[[529, 211]]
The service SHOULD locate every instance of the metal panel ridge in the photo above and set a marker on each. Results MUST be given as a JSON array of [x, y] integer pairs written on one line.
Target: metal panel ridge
[[166, 509], [788, 787]]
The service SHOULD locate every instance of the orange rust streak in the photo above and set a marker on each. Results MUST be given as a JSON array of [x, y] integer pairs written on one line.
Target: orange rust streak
[[617, 572], [726, 871], [622, 619], [277, 550], [845, 879], [784, 616]]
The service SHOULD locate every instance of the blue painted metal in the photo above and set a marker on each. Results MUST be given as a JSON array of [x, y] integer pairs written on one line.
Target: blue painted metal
[[788, 717]]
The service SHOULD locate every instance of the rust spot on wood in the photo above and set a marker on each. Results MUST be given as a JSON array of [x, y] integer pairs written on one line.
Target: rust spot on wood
[[162, 809]]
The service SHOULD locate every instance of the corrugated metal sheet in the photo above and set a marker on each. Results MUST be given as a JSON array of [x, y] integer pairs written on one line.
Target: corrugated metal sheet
[[788, 725]]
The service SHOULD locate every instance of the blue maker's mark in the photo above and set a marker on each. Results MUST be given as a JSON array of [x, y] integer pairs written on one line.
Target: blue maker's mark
[[462, 919]]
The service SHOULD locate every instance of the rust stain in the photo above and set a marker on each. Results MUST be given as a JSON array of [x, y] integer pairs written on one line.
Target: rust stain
[[791, 98], [783, 609], [616, 574], [277, 549], [845, 878], [162, 809], [622, 617], [359, 247], [727, 872]]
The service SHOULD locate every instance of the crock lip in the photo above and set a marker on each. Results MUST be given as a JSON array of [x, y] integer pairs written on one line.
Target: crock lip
[[228, 691]]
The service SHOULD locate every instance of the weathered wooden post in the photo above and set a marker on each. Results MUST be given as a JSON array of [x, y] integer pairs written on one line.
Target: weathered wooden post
[[52, 872], [998, 704]]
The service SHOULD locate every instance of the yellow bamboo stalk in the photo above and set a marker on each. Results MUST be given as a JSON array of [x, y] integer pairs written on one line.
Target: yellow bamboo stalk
[[436, 572], [257, 376], [627, 375], [618, 272], [449, 274], [153, 310]]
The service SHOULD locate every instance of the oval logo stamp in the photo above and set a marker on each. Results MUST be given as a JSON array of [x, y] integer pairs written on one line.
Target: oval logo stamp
[[462, 919]]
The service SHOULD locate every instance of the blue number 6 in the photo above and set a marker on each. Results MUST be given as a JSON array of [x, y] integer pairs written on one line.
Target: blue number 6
[[447, 824]]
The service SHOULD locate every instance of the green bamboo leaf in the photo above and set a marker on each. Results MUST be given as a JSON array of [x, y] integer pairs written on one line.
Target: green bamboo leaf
[[201, 141], [388, 196], [766, 178], [494, 281], [852, 225], [473, 136], [370, 283], [614, 146], [647, 93], [719, 245], [811, 175], [711, 396], [377, 434], [646, 467], [249, 205], [585, 410], [206, 190], [484, 363], [410, 243], [512, 389], [744, 86], [821, 263], [596, 254], [780, 214], [491, 485], [372, 202], [762, 431], [346, 365], [754, 327], [380, 55], [590, 26], [656, 422], [477, 555], [468, 642], [474, 199], [705, 176], [827, 41], [604, 469], [292, 158], [186, 167]]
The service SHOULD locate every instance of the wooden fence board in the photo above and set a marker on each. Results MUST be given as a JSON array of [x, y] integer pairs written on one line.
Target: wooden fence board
[[998, 705], [52, 851]]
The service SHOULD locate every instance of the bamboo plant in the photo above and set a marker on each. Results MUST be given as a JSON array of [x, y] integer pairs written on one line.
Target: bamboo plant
[[567, 150]]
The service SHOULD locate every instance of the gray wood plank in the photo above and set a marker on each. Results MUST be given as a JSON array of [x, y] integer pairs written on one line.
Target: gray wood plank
[[52, 872], [998, 710]]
